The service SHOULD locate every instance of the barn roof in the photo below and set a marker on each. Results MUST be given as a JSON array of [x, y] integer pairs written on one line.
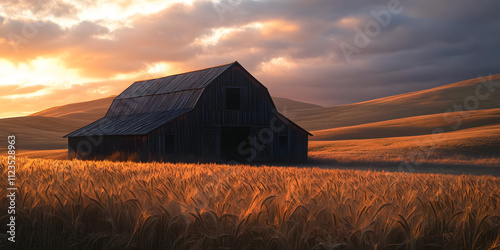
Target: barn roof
[[134, 124], [147, 105], [167, 93]]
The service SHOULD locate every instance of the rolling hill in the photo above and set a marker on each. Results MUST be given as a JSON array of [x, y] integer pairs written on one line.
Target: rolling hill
[[425, 102], [410, 126], [285, 105], [88, 111], [472, 147], [39, 132]]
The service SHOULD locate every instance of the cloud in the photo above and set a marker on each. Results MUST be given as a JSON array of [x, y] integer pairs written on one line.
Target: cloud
[[428, 44], [46, 8], [7, 90], [28, 39]]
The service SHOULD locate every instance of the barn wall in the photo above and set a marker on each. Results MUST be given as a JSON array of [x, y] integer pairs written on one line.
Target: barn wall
[[111, 147], [296, 148]]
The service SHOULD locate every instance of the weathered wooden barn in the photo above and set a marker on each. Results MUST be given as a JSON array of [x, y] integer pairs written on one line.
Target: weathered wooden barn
[[216, 114]]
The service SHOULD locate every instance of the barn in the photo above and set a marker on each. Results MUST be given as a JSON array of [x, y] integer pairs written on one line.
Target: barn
[[218, 114]]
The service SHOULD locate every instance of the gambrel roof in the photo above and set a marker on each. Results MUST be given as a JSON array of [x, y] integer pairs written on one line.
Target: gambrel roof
[[147, 105]]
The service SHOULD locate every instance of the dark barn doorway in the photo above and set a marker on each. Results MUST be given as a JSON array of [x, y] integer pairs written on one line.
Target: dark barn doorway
[[231, 138]]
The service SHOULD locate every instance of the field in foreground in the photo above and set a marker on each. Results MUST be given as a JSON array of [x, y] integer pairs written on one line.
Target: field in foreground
[[96, 205]]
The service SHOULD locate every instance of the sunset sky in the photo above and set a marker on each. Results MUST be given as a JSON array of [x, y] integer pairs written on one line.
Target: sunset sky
[[328, 52]]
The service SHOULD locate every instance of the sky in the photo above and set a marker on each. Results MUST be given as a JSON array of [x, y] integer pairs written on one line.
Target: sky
[[327, 52]]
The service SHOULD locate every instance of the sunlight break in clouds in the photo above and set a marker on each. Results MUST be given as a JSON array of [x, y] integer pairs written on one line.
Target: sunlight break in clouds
[[159, 68], [266, 29], [348, 22], [270, 28], [215, 36], [46, 71], [278, 66]]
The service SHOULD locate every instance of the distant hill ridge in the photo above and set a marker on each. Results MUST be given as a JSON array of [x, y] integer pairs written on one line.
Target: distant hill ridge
[[96, 107], [412, 126], [425, 102]]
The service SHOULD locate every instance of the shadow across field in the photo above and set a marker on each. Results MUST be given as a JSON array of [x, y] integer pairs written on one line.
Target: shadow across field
[[373, 165], [430, 168]]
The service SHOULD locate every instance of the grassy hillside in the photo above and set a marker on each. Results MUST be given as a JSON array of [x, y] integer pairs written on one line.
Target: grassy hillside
[[285, 105], [425, 102], [39, 132], [92, 110], [478, 146], [45, 129], [417, 125]]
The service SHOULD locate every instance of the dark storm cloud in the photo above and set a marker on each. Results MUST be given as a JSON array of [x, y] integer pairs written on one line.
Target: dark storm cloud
[[429, 43]]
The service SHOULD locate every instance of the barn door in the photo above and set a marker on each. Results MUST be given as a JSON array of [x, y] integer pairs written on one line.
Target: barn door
[[232, 138], [209, 142], [264, 140]]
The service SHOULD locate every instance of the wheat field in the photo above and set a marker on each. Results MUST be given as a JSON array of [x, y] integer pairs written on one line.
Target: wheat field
[[125, 205]]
